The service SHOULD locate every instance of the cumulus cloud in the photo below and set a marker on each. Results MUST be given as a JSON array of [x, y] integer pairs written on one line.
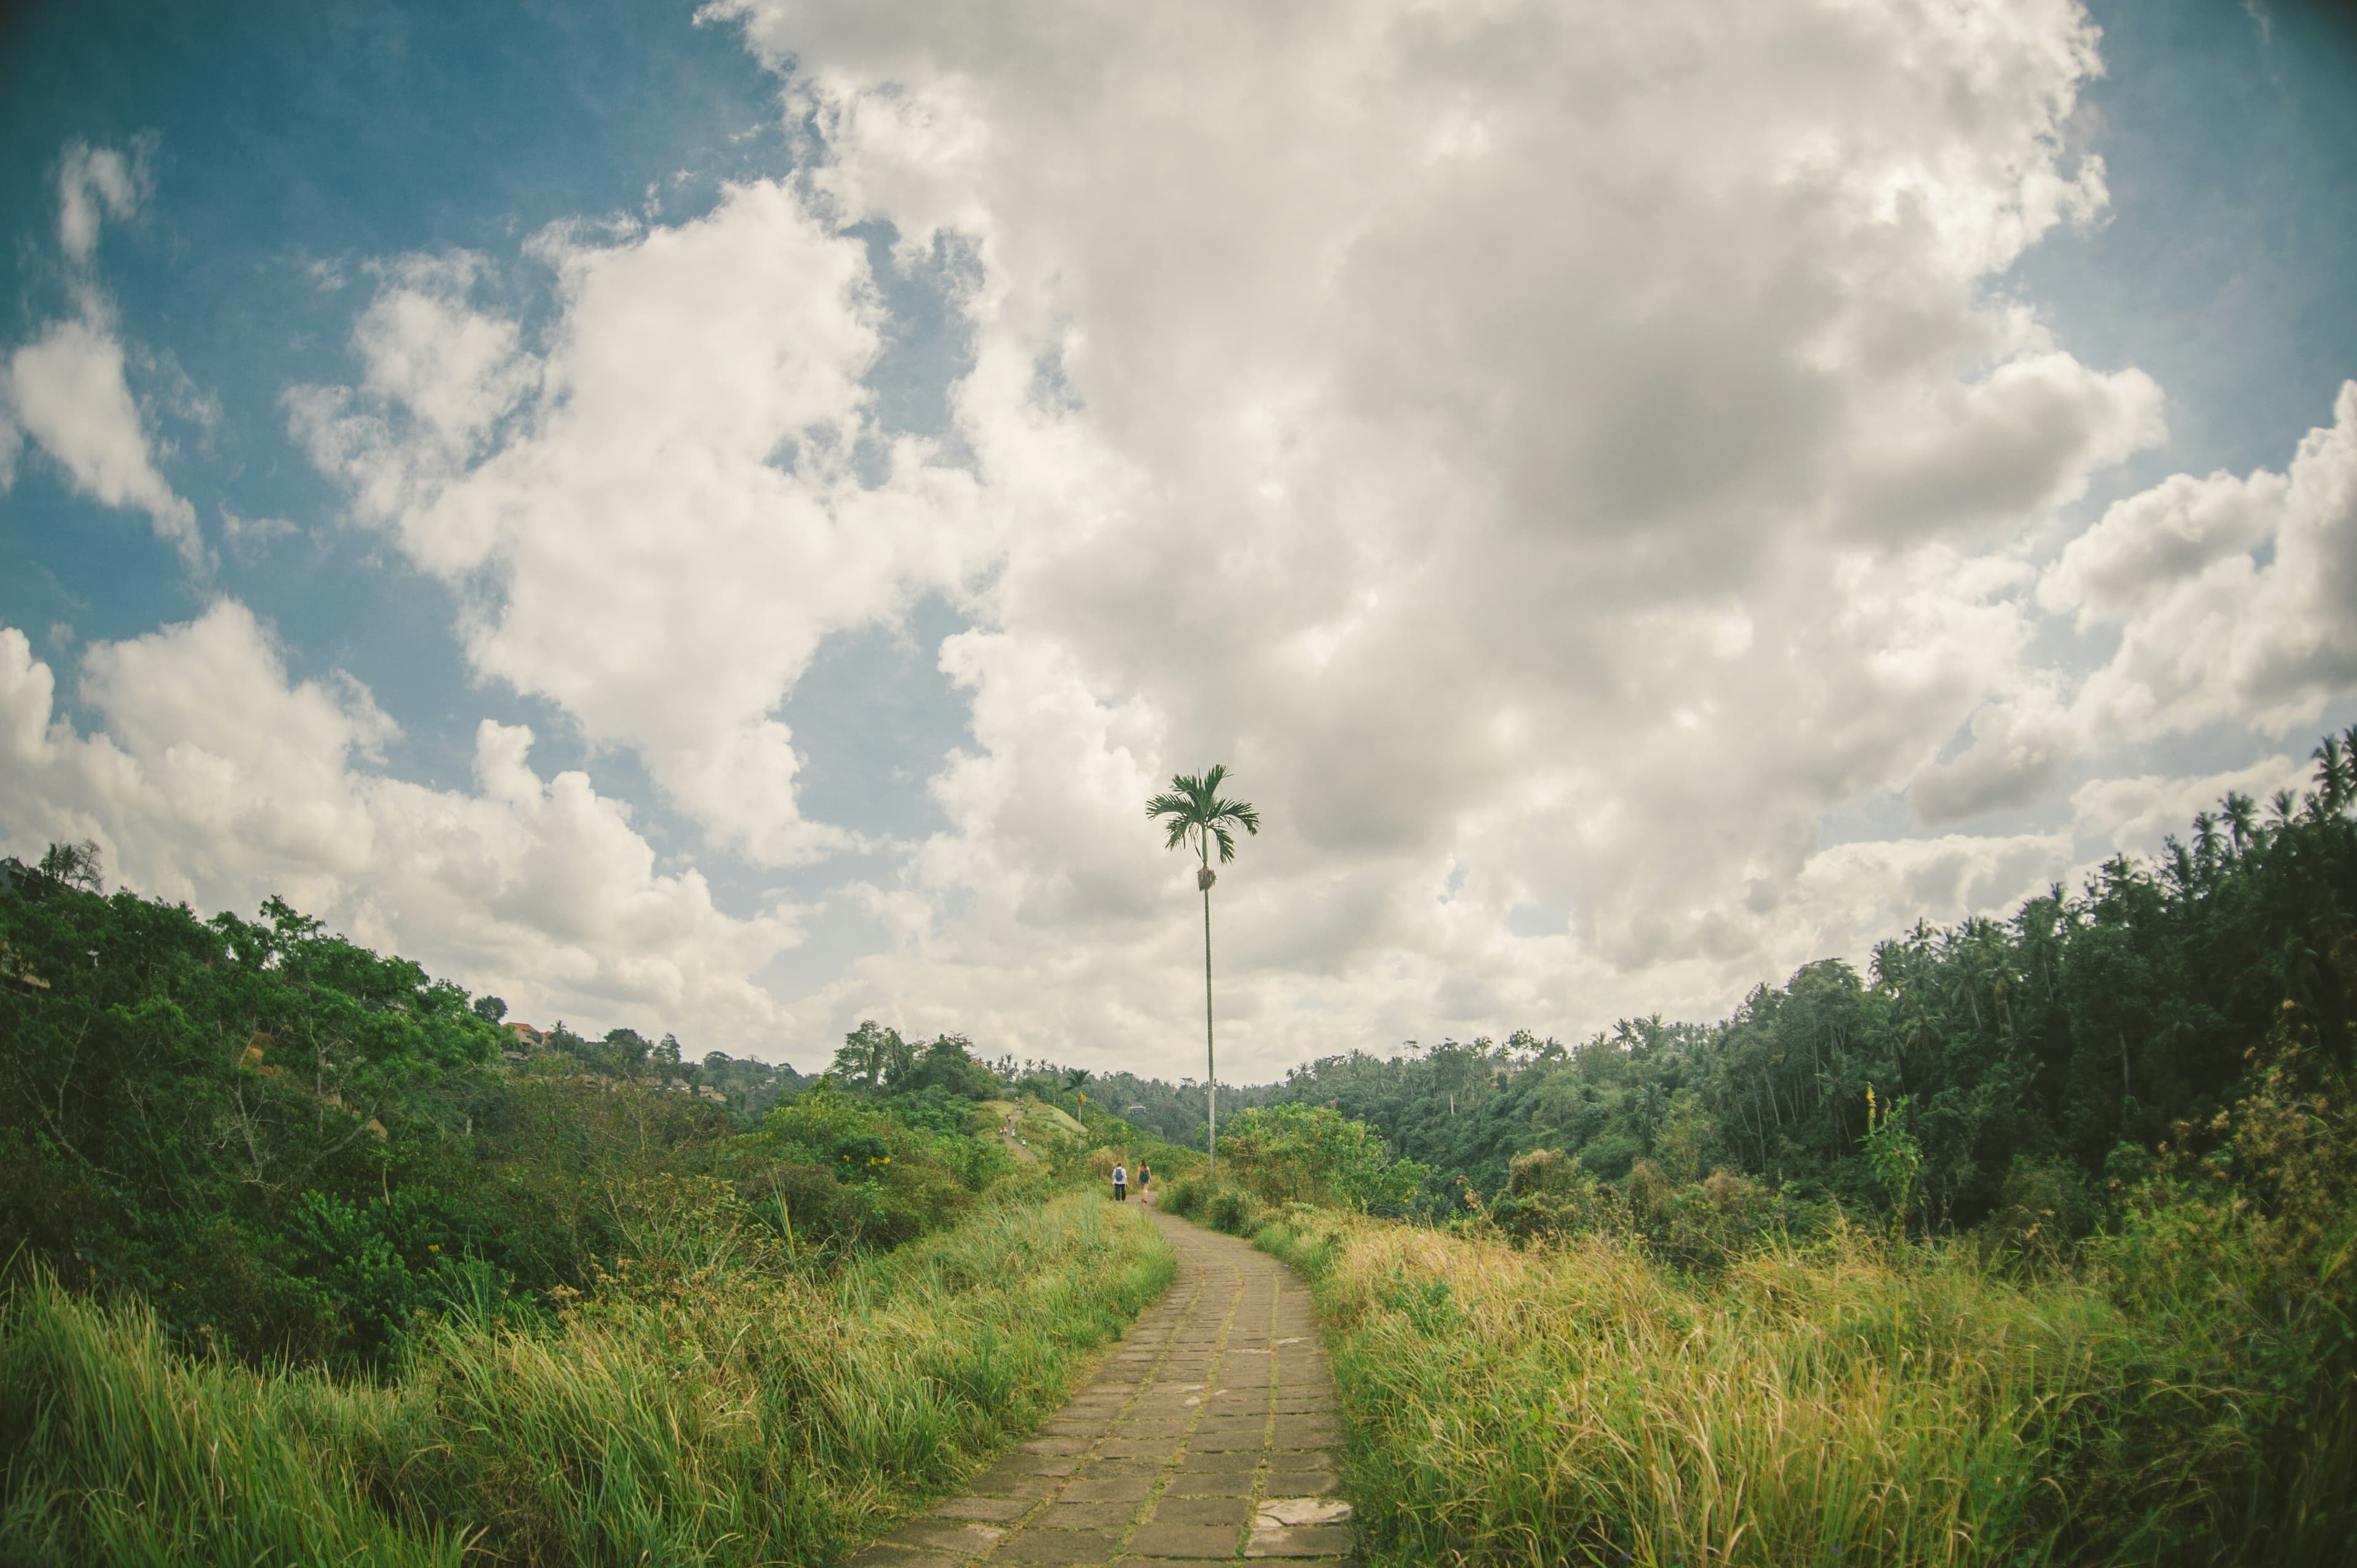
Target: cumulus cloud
[[2146, 544], [2018, 749], [2209, 631], [1554, 461], [663, 512], [217, 779], [2136, 816], [1553, 454], [1530, 445]]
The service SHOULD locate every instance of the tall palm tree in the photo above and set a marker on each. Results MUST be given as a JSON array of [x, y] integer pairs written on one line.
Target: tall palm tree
[[1194, 814]]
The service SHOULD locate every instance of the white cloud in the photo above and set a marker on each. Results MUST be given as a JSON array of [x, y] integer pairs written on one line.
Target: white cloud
[[455, 370], [95, 183], [2135, 815], [217, 779], [664, 513], [67, 388], [2149, 542], [2018, 749], [1552, 444], [2208, 630], [1555, 455]]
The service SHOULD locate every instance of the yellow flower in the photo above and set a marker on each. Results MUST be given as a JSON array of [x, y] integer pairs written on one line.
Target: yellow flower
[[434, 1246]]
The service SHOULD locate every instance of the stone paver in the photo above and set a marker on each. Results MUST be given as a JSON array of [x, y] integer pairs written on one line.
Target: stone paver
[[1209, 1434]]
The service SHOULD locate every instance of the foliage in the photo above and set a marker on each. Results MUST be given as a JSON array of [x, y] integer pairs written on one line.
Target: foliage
[[1892, 1153], [1856, 1397], [317, 1259], [898, 1177], [874, 1060], [177, 1090], [293, 1146], [1194, 814], [2067, 1041], [705, 1407], [1299, 1153]]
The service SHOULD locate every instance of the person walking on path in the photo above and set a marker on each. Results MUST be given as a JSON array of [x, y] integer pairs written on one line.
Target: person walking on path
[[1145, 1175], [1120, 1183]]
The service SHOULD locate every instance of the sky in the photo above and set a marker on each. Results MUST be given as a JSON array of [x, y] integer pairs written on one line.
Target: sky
[[716, 520]]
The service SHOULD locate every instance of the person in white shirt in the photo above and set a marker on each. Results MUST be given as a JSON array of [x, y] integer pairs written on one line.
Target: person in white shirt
[[1120, 1183]]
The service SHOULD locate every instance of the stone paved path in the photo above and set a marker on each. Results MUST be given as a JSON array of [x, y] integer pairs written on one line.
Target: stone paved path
[[1209, 1434]]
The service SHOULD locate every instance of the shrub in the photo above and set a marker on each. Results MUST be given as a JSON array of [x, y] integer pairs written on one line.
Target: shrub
[[1300, 1153], [1551, 1194], [1186, 1195], [1231, 1209]]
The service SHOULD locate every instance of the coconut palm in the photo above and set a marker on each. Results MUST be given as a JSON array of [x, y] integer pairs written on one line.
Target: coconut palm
[[1194, 814]]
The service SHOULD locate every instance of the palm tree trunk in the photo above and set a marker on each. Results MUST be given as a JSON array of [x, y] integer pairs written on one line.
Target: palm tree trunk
[[1210, 1062]]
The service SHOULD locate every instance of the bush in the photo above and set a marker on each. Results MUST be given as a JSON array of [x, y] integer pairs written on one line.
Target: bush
[[1218, 1204], [1300, 1153], [900, 1181], [1186, 1197], [1550, 1194]]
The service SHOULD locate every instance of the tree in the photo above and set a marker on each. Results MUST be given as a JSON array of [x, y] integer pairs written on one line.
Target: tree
[[75, 865], [873, 1057], [1195, 814]]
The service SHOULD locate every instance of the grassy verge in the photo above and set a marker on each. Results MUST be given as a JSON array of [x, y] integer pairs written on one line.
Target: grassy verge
[[707, 1411], [1849, 1401]]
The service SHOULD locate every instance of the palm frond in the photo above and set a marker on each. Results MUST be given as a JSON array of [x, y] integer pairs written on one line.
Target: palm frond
[[1195, 810]]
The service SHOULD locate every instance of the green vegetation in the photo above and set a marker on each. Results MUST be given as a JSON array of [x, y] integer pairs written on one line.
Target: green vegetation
[[2035, 1244], [1845, 1398], [705, 1405], [312, 1258], [1696, 1384], [1283, 1155], [2037, 1062], [2039, 1245]]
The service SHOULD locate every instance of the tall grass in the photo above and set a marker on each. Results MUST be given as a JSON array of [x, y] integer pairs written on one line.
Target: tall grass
[[1857, 1401], [721, 1415]]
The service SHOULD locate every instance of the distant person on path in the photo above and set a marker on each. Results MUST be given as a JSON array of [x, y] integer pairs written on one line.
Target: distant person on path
[[1145, 1175], [1120, 1183]]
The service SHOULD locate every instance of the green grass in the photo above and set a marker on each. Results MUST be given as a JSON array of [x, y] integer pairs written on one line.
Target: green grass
[[724, 1415], [1850, 1403]]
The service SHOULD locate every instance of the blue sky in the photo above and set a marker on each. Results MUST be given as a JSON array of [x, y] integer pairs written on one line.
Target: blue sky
[[1138, 403]]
